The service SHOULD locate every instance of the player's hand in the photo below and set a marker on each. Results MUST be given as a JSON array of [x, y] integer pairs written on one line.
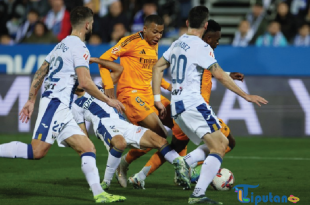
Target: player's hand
[[109, 93], [161, 109], [117, 104], [256, 99], [92, 60], [26, 112], [237, 76]]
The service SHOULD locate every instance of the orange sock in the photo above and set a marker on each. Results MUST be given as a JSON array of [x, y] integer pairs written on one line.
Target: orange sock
[[135, 154], [183, 152], [155, 162]]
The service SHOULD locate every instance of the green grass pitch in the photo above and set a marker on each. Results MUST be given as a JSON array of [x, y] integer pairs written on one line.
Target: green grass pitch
[[278, 165]]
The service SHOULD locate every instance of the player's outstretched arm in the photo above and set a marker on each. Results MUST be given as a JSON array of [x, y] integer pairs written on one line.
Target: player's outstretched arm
[[158, 71], [89, 86], [38, 78], [116, 68], [227, 81]]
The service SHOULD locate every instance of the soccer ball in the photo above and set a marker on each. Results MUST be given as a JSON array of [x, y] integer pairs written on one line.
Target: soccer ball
[[223, 181]]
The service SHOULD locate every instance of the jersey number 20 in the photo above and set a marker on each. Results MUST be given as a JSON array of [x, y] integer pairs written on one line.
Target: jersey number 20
[[175, 62]]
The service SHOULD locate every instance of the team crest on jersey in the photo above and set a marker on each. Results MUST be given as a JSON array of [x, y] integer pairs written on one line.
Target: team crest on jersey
[[115, 50]]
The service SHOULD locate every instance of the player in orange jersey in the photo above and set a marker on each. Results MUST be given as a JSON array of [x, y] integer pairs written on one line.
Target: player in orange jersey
[[138, 54]]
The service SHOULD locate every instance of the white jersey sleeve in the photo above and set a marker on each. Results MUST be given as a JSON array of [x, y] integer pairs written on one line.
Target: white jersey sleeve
[[78, 114], [206, 57], [48, 57], [167, 53], [81, 57]]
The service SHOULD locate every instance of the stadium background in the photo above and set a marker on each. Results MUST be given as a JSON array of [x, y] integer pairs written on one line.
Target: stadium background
[[277, 72], [270, 150]]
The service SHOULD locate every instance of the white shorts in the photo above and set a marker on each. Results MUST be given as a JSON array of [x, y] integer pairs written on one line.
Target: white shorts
[[109, 127], [55, 122], [196, 123]]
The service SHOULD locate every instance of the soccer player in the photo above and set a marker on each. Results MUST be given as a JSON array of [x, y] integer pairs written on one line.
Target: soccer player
[[117, 133], [212, 36], [138, 54], [188, 57], [65, 66]]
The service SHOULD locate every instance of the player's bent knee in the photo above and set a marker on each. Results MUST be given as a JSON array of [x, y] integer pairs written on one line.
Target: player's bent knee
[[38, 153], [119, 142], [161, 142]]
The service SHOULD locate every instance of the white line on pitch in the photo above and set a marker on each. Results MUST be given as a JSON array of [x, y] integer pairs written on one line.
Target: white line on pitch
[[268, 158]]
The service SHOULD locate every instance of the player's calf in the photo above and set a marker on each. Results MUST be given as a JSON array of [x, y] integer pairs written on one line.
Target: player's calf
[[39, 148], [81, 144], [114, 158]]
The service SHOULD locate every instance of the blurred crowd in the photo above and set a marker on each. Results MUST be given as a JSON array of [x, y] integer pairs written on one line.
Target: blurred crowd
[[275, 23], [279, 23], [48, 21]]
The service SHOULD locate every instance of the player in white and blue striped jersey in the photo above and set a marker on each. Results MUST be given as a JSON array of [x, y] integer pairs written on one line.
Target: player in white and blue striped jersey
[[65, 66], [116, 134], [188, 57]]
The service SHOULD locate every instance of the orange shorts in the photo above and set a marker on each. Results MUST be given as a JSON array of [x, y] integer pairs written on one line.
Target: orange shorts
[[225, 129], [139, 106]]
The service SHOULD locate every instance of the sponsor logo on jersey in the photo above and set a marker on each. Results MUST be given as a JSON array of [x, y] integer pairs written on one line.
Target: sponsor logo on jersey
[[44, 125], [142, 52], [177, 91], [88, 102]]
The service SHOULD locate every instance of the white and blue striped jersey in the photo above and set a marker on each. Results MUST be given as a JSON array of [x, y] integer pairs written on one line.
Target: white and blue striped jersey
[[188, 57], [88, 108], [61, 81]]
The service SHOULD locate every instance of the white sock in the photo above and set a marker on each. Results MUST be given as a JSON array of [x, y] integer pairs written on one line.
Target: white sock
[[198, 154], [90, 170], [16, 150], [208, 171], [142, 174], [170, 156], [168, 153], [114, 160]]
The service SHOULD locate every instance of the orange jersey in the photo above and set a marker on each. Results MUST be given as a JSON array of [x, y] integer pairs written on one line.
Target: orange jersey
[[206, 85], [138, 58]]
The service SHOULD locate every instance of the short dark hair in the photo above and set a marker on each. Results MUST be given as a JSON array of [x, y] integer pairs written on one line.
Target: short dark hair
[[213, 26], [198, 16], [80, 14], [153, 19]]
